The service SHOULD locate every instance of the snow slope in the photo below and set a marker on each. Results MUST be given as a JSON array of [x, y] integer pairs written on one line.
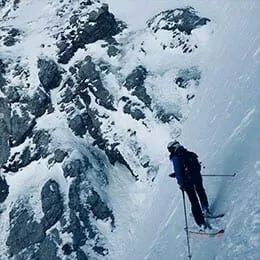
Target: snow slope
[[224, 129]]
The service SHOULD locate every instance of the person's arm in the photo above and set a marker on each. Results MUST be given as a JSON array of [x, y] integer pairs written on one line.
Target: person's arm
[[177, 169]]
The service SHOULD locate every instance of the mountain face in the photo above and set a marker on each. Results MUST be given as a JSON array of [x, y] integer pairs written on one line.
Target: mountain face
[[81, 99]]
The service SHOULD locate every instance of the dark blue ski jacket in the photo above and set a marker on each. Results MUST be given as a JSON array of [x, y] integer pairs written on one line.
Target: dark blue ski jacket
[[177, 169], [183, 179]]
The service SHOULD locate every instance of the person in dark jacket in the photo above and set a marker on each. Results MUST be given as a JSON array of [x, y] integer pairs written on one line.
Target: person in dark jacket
[[190, 182]]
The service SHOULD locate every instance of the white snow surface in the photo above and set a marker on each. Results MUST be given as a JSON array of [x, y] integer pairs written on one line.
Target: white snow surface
[[223, 127]]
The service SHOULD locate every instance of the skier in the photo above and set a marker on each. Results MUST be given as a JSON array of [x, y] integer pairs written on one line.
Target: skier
[[187, 172]]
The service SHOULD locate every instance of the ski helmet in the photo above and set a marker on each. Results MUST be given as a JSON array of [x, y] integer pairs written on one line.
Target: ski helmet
[[173, 145]]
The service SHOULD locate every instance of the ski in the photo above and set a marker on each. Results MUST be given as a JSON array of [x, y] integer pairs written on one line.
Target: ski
[[212, 216], [208, 234]]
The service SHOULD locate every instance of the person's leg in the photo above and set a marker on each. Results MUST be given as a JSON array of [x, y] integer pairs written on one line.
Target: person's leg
[[195, 206], [202, 194]]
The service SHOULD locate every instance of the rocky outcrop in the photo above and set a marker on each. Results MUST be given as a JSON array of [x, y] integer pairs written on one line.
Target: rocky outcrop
[[132, 108], [100, 24], [52, 204], [72, 168], [84, 204], [181, 19], [135, 83], [13, 94], [98, 207], [179, 23], [49, 74], [10, 36], [89, 79], [27, 233], [47, 249], [39, 103], [39, 148], [77, 125], [22, 123], [59, 155], [24, 229]]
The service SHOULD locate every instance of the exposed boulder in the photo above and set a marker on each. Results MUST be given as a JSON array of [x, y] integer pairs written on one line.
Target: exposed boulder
[[93, 123], [49, 74], [72, 168], [25, 158], [112, 51], [24, 230], [77, 230], [67, 249], [77, 125], [39, 103], [52, 203], [59, 155], [2, 81], [135, 83]]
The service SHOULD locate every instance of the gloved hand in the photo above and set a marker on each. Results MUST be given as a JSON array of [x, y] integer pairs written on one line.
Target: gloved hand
[[172, 175]]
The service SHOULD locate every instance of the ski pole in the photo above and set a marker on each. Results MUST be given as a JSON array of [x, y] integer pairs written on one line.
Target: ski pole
[[220, 175], [186, 224]]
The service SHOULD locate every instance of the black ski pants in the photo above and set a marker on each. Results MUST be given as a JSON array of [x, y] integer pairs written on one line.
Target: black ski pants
[[194, 191]]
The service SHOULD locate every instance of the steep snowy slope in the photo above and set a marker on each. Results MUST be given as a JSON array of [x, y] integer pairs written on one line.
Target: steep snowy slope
[[224, 129]]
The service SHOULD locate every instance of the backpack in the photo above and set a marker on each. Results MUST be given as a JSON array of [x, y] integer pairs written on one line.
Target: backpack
[[190, 163]]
